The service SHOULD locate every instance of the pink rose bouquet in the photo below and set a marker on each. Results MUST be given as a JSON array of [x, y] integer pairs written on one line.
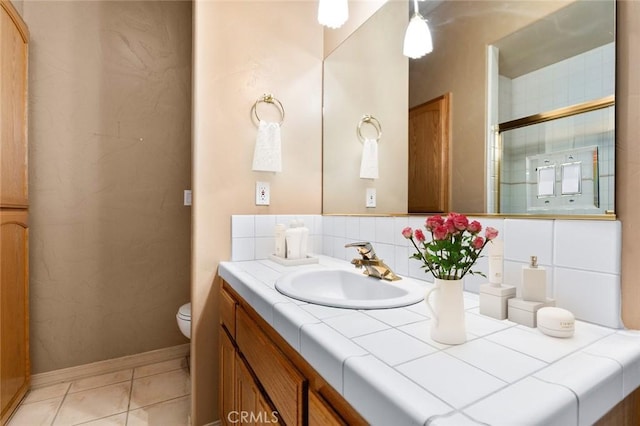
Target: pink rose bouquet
[[454, 247]]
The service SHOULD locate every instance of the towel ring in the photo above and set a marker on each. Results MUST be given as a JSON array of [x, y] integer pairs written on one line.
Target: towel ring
[[370, 119], [268, 98]]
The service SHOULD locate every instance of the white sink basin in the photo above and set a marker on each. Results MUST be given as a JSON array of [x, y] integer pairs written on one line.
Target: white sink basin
[[348, 289]]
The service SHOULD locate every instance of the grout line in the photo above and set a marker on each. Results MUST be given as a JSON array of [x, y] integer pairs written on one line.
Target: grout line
[[126, 420], [69, 384], [64, 398]]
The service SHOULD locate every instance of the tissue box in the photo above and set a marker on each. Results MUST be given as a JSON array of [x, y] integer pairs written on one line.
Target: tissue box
[[493, 300], [525, 312]]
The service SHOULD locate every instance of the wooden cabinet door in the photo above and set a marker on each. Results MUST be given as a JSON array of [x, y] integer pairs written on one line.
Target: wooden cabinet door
[[14, 312], [284, 384], [227, 377], [253, 406], [13, 108], [321, 413], [429, 156]]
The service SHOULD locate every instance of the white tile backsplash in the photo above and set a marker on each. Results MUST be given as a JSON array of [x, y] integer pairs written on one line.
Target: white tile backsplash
[[590, 296], [582, 257], [588, 245], [524, 238], [264, 225], [386, 230]]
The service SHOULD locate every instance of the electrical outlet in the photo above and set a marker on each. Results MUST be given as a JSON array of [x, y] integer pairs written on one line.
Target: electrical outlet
[[186, 197], [371, 197], [262, 194]]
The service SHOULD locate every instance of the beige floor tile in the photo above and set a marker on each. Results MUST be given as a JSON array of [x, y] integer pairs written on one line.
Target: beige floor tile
[[170, 413], [117, 420], [160, 387], [160, 367], [39, 413], [93, 404], [47, 392], [101, 380]]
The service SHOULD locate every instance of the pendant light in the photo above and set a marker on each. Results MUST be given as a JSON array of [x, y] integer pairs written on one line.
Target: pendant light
[[417, 39], [333, 13]]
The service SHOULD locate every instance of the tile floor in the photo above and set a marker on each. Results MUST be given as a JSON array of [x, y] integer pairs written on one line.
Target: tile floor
[[154, 395]]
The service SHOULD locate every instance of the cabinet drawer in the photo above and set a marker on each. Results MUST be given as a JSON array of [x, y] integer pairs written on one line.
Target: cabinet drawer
[[281, 380], [228, 312]]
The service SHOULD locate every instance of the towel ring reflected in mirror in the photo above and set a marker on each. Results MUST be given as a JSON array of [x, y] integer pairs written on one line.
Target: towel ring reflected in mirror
[[269, 99], [369, 119]]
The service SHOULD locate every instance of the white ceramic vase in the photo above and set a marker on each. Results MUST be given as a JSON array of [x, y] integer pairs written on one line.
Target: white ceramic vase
[[446, 305]]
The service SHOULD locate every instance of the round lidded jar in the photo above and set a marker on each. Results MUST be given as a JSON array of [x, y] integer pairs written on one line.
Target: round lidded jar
[[556, 322]]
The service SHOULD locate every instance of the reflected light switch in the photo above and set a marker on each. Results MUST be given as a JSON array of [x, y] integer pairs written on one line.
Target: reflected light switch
[[546, 181], [571, 177]]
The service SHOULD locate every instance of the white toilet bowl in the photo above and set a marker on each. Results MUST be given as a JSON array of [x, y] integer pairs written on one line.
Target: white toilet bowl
[[184, 319]]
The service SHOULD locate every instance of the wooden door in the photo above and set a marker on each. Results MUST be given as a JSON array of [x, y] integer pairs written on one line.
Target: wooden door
[[14, 317], [429, 134], [13, 107]]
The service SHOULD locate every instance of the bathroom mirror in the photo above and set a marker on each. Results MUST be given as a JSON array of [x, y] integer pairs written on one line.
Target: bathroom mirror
[[462, 32]]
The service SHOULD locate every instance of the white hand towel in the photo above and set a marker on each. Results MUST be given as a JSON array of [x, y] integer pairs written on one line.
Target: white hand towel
[[369, 164], [267, 154]]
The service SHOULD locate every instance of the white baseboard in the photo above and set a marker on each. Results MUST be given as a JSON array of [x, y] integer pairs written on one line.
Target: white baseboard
[[108, 366]]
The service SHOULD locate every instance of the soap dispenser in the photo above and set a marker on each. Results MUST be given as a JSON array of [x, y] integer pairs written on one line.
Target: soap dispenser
[[534, 282], [494, 295]]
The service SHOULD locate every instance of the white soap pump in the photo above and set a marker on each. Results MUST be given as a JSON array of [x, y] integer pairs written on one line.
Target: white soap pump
[[534, 282]]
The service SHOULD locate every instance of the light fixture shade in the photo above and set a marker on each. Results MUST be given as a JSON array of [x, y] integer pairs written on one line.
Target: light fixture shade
[[333, 13], [417, 39]]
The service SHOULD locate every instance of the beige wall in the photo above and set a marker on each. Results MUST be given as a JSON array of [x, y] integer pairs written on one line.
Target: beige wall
[[359, 12], [242, 50], [109, 135], [18, 5], [461, 32], [367, 74], [628, 154]]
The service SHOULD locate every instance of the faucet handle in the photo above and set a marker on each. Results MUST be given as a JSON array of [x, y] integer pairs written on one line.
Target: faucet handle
[[364, 248]]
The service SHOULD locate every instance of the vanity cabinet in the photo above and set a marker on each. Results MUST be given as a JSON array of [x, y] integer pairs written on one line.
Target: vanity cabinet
[[265, 379], [14, 233], [13, 110], [14, 318]]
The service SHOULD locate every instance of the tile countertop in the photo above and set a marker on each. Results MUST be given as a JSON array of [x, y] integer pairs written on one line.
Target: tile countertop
[[385, 364]]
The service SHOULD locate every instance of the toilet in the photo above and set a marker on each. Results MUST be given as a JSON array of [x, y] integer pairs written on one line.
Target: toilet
[[184, 319]]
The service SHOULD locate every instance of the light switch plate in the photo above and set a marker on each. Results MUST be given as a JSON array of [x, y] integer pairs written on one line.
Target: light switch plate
[[371, 197], [262, 194], [186, 197]]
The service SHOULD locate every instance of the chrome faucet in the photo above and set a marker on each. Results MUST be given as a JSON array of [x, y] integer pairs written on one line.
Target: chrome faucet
[[373, 266]]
